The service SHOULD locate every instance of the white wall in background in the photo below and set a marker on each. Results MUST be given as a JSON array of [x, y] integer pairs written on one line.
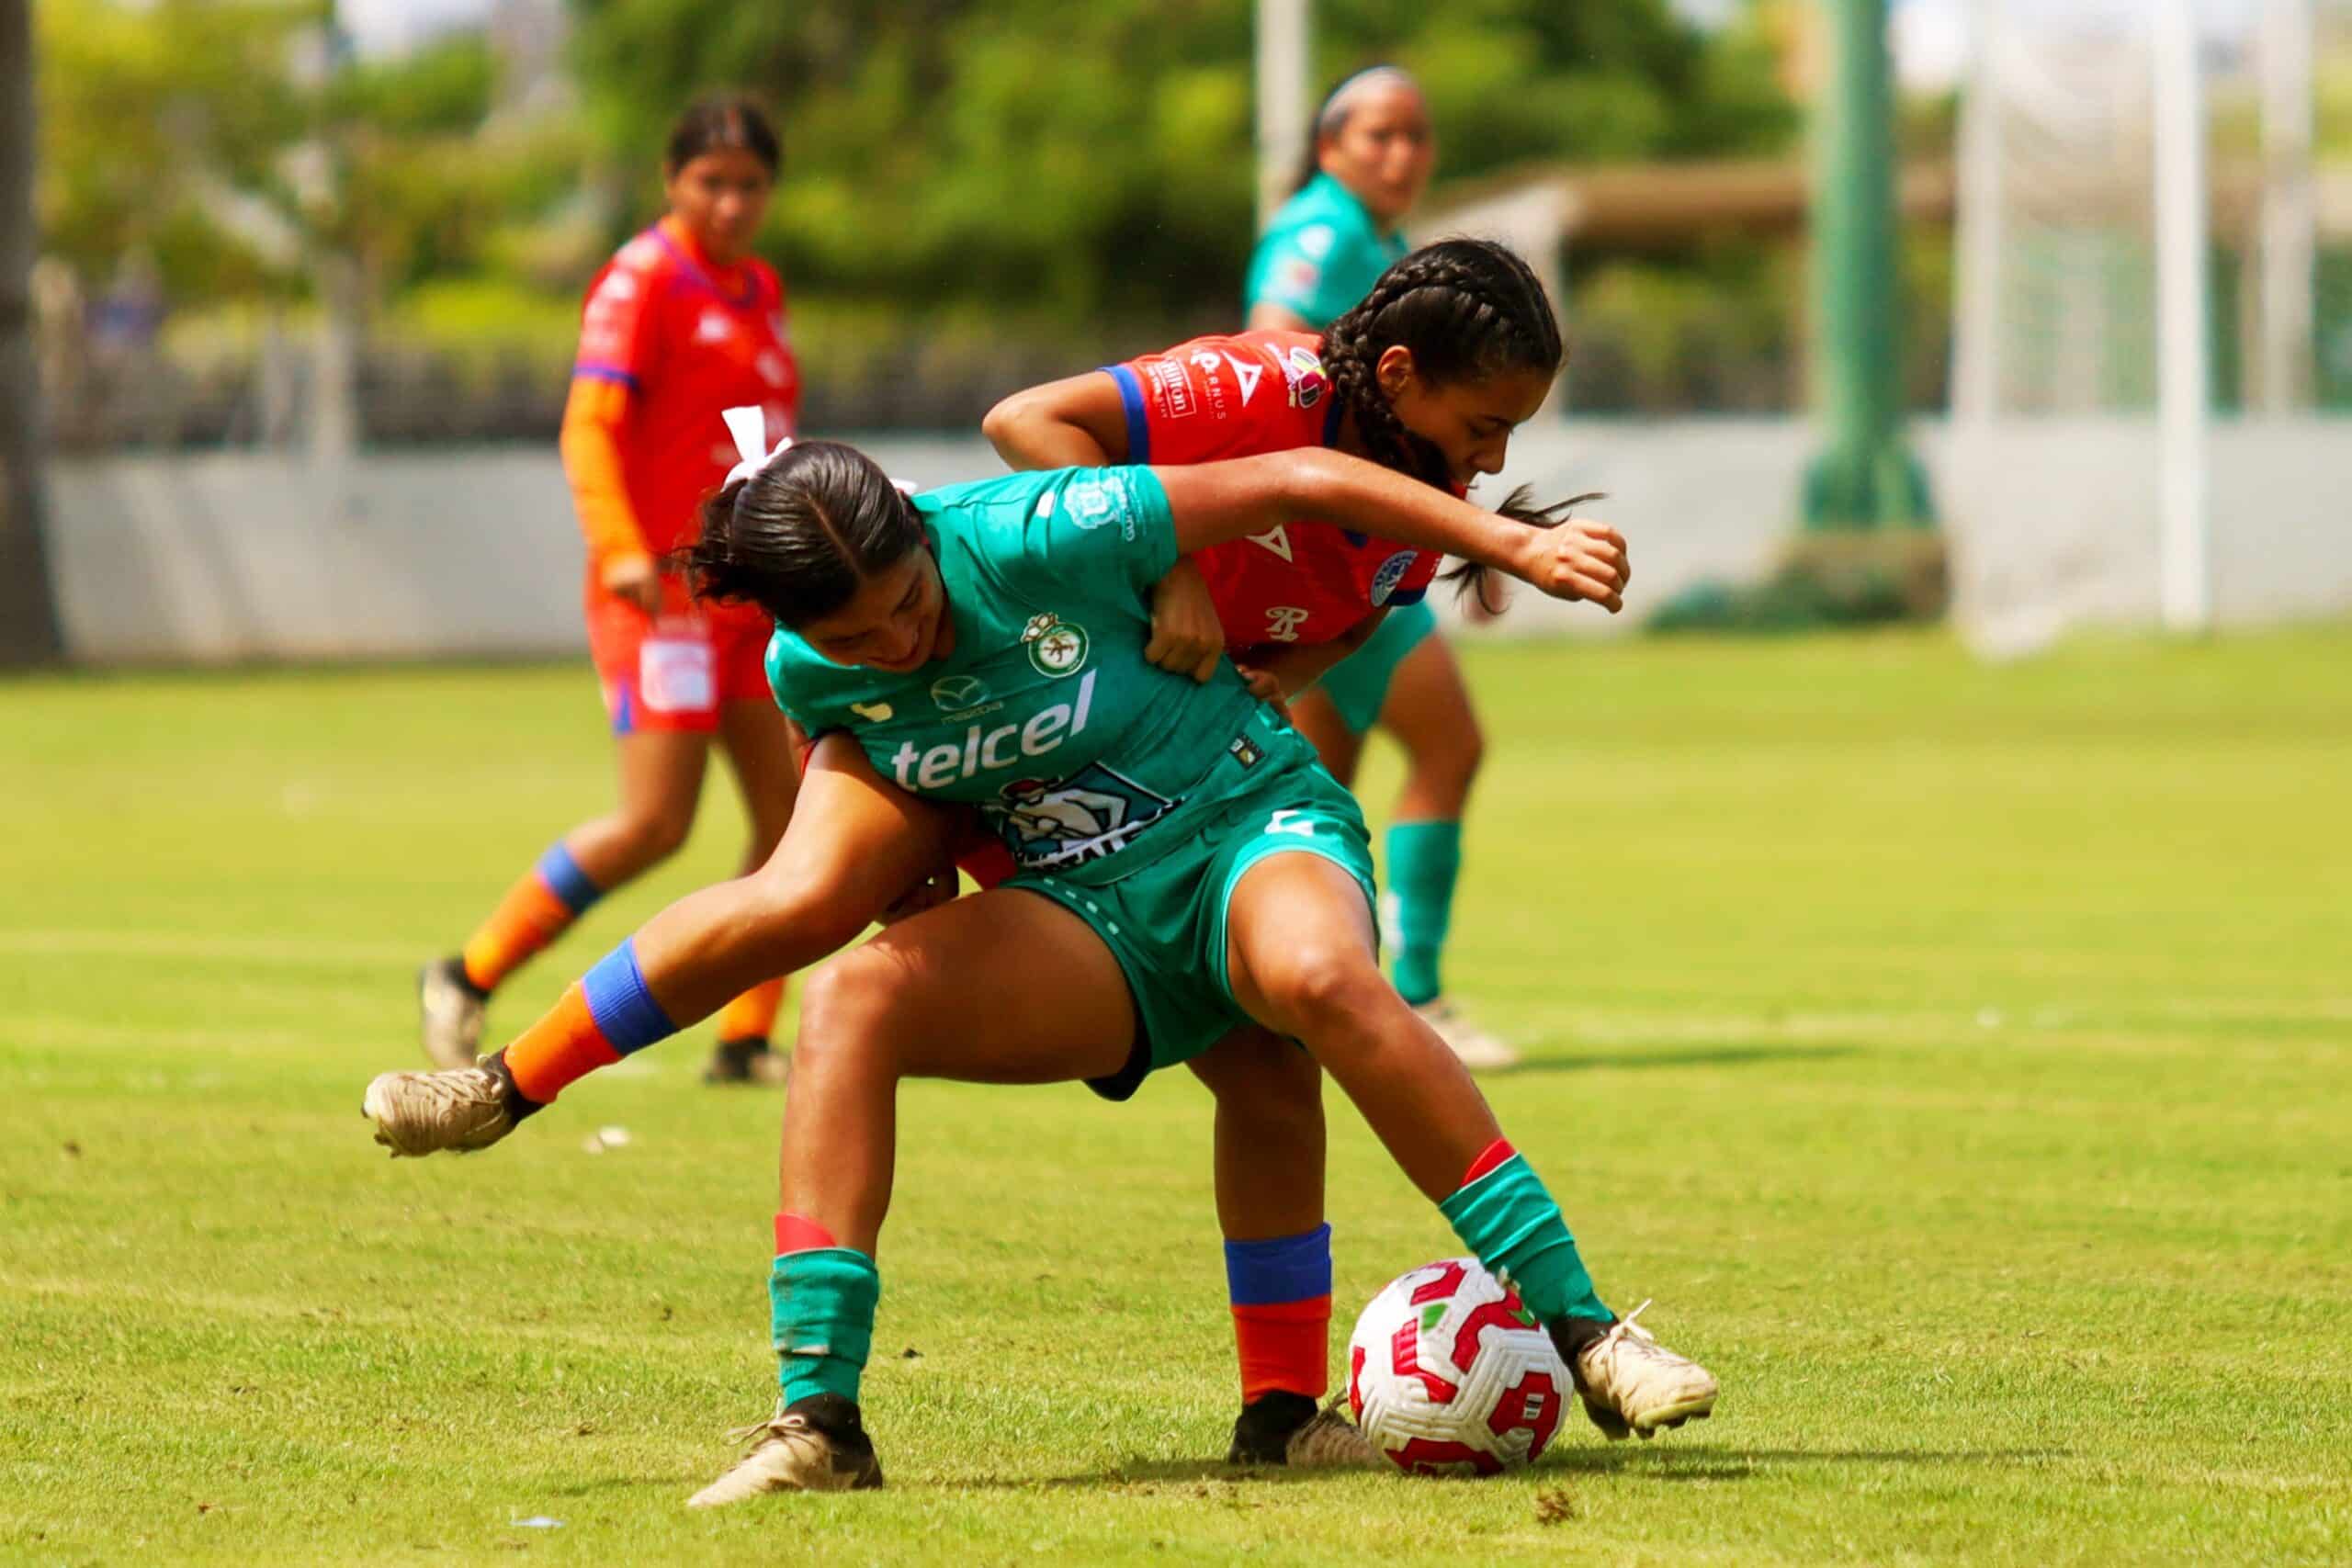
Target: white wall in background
[[210, 558]]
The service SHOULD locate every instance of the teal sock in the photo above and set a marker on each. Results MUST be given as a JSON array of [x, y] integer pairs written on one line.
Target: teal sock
[[1508, 1220], [822, 1302], [1424, 858]]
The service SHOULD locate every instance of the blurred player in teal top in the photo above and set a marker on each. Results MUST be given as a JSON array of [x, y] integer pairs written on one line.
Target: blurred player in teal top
[[1322, 251], [1372, 156]]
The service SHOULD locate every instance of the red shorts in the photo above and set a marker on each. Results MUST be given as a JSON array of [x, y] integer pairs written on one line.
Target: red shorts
[[672, 671]]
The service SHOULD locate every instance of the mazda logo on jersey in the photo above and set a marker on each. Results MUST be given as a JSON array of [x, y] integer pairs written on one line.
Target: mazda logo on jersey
[[955, 693]]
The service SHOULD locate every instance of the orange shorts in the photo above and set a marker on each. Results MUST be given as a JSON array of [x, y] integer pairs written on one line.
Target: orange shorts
[[673, 671]]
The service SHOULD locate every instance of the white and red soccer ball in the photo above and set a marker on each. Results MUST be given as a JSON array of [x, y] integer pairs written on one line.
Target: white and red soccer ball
[[1449, 1374]]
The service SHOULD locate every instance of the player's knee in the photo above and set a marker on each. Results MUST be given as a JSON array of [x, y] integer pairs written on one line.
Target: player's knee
[[846, 1015], [656, 835], [1319, 988]]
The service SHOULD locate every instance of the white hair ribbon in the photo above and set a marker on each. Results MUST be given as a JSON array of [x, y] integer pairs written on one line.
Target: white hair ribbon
[[749, 426]]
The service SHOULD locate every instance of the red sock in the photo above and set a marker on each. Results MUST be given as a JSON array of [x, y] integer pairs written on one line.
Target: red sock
[[1493, 1154], [798, 1232], [1284, 1346]]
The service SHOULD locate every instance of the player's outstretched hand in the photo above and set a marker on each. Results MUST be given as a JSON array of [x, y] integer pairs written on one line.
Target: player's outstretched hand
[[1186, 636], [1580, 558]]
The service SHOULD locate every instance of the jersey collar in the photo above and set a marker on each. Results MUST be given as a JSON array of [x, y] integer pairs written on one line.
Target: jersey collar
[[691, 263]]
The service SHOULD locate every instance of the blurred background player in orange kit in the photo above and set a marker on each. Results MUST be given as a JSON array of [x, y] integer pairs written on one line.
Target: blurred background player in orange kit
[[684, 322]]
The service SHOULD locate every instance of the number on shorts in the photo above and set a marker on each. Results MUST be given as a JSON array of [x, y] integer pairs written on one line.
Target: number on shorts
[[1290, 819]]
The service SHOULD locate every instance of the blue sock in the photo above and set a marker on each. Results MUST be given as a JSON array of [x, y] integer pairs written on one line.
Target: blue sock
[[626, 1013]]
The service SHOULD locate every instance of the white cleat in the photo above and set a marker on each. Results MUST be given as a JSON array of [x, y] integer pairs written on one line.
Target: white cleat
[[817, 1446], [451, 1011], [1478, 1049], [1633, 1385], [1331, 1441], [1287, 1430], [457, 1109]]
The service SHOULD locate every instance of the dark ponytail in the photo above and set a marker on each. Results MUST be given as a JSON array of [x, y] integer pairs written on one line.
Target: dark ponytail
[[1466, 309], [727, 120], [798, 536]]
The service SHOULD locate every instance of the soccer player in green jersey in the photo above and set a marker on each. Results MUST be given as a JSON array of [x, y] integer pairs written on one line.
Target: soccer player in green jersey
[[1185, 870]]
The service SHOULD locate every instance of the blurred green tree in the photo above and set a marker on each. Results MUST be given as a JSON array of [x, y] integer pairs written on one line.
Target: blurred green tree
[[1031, 154]]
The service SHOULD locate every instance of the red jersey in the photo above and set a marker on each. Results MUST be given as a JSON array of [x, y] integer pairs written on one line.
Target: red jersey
[[687, 342], [1254, 392]]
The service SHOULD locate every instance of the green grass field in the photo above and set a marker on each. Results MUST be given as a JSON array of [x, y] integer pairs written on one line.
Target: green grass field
[[1960, 1057]]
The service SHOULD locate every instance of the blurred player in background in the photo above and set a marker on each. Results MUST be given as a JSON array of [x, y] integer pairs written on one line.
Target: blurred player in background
[[1372, 156], [684, 322]]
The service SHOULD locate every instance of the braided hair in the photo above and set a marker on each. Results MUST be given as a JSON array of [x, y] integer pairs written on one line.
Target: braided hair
[[1467, 310]]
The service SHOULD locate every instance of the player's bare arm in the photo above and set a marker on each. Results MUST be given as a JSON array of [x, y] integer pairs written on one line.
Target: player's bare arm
[[1579, 558], [1079, 421]]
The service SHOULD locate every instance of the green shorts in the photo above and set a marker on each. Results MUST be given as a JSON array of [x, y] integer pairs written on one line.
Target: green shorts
[[1165, 923], [1358, 684]]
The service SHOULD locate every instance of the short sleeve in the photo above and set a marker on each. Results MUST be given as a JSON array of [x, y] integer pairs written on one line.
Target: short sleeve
[[1415, 585], [1107, 529], [1202, 399], [617, 340], [782, 666], [1294, 271]]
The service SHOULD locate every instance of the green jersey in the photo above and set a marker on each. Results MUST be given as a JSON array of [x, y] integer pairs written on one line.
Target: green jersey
[[1320, 255], [1087, 760]]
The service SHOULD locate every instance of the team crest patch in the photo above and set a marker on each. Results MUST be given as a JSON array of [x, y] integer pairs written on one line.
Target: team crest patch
[[1392, 572], [1309, 379], [1056, 647], [1098, 500]]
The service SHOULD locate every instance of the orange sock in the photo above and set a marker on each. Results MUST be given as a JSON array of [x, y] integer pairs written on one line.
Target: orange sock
[[751, 1016], [561, 1048], [538, 908]]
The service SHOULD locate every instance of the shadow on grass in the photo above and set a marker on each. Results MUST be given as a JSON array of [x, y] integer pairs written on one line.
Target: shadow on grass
[[1687, 1462], [1214, 1478], [1682, 1463], [1684, 1056]]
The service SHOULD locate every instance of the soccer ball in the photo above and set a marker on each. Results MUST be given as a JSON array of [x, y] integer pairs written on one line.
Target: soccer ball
[[1448, 1373]]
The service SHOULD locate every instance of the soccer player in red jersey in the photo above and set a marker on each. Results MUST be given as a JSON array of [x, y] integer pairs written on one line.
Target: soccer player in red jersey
[[684, 322], [1454, 346]]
